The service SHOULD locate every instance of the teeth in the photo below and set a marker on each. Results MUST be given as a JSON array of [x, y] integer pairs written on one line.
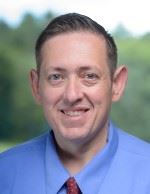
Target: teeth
[[73, 113]]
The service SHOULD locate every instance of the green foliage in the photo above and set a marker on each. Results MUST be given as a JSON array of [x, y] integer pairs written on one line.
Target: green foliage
[[21, 118], [6, 91], [134, 109]]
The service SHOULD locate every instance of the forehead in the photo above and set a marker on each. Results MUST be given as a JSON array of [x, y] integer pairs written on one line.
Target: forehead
[[74, 48], [76, 37]]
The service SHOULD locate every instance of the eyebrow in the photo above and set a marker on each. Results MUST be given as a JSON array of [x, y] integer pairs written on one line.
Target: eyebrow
[[88, 68], [60, 69], [85, 68]]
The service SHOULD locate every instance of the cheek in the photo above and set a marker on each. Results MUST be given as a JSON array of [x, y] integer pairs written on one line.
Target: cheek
[[98, 94], [101, 98], [50, 97]]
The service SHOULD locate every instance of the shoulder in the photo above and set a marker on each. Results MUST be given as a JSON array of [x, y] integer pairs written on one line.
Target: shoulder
[[133, 145], [132, 161], [24, 150], [20, 165]]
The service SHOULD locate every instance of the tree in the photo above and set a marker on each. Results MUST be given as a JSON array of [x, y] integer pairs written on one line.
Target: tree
[[6, 90], [121, 32]]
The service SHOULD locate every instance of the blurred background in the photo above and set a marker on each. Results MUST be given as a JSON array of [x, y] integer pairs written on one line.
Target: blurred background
[[20, 24]]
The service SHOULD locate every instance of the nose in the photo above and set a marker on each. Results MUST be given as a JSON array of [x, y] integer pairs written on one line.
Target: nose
[[73, 91]]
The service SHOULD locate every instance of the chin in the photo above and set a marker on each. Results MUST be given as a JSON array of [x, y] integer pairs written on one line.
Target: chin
[[77, 136]]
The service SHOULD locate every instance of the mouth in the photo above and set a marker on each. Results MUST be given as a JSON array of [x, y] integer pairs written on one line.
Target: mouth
[[75, 113]]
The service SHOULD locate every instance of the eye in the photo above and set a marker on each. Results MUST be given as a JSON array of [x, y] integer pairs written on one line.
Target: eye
[[91, 76], [55, 76]]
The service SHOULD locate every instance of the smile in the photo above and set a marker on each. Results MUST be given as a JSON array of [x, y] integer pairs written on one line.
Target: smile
[[74, 113]]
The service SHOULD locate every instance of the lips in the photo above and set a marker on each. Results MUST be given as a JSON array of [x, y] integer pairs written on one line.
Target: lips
[[75, 117], [74, 112]]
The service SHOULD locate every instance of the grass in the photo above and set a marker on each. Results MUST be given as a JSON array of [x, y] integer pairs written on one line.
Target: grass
[[4, 145]]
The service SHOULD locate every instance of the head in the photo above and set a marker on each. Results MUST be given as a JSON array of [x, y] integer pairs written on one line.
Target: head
[[77, 78]]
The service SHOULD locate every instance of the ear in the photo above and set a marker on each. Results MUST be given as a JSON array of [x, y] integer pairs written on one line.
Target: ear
[[34, 82], [119, 82]]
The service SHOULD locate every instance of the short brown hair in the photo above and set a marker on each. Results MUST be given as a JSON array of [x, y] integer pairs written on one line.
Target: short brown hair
[[72, 22]]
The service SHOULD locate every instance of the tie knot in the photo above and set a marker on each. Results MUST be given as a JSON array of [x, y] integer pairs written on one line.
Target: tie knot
[[72, 187]]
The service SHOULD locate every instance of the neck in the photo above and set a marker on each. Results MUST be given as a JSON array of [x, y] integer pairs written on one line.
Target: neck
[[75, 156]]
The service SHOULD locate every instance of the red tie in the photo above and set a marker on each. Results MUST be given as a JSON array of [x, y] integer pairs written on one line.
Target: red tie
[[72, 187]]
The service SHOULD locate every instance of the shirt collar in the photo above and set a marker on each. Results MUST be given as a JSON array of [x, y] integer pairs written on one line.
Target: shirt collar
[[56, 173], [93, 173]]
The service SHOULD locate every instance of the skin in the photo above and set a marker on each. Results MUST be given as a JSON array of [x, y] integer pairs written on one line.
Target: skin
[[76, 91]]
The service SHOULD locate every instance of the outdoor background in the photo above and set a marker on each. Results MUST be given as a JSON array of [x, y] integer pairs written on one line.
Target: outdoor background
[[20, 117]]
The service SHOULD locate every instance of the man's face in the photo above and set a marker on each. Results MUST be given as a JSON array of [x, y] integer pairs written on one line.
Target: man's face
[[74, 86]]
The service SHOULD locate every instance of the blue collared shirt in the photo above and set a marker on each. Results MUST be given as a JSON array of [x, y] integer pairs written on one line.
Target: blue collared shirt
[[122, 166]]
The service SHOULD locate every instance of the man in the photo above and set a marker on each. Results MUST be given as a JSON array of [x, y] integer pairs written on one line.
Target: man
[[76, 81]]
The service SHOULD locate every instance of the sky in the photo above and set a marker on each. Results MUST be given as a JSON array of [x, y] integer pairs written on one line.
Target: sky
[[133, 14]]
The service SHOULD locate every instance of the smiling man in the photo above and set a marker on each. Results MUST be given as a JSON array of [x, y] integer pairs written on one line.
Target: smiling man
[[76, 81]]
